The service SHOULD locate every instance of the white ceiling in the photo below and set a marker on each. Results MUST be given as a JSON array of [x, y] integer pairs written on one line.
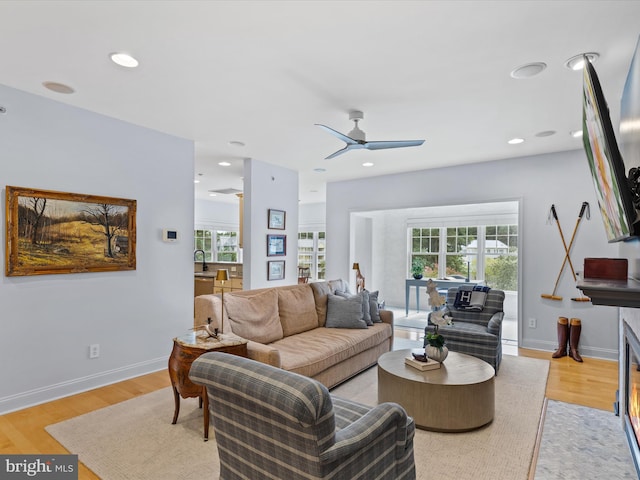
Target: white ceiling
[[263, 72]]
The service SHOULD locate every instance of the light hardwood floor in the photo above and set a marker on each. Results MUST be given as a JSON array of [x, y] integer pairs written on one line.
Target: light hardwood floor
[[592, 383]]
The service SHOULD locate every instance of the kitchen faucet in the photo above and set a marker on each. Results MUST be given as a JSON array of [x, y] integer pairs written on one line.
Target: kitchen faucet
[[205, 267]]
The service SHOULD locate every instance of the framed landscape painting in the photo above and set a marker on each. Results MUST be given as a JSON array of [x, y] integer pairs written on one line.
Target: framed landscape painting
[[50, 232]]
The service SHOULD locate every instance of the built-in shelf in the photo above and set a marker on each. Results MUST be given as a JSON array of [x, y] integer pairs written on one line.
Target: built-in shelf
[[614, 293]]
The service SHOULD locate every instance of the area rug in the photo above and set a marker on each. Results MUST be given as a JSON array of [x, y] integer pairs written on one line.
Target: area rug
[[135, 439], [580, 442]]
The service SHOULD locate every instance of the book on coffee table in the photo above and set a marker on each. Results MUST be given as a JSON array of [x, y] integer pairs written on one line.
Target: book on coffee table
[[422, 366]]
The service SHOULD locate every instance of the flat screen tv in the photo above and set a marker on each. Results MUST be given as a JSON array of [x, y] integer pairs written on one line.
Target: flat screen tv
[[605, 162]]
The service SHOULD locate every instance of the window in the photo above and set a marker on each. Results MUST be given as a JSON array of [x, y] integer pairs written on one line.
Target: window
[[425, 248], [483, 252], [462, 253], [202, 240], [501, 257], [218, 245], [311, 253]]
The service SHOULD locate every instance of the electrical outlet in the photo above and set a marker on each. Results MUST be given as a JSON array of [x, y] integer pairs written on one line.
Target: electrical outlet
[[94, 350], [532, 323]]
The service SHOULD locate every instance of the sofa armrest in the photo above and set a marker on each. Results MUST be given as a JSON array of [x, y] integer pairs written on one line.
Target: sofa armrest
[[387, 317], [207, 306], [494, 326], [264, 354], [372, 425]]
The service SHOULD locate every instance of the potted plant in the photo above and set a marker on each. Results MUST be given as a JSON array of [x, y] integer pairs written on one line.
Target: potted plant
[[417, 267]]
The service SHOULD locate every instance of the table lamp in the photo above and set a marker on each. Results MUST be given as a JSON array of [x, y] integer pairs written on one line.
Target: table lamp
[[222, 275]]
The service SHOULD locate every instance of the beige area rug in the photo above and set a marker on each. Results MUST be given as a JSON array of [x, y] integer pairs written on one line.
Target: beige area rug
[[135, 439]]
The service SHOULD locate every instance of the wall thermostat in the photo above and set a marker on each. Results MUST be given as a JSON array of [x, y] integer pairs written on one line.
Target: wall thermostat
[[170, 235]]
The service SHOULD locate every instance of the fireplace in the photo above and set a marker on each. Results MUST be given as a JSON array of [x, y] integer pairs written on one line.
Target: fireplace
[[632, 393]]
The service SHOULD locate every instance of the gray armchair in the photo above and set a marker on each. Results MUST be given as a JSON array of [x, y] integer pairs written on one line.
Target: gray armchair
[[271, 423], [475, 333]]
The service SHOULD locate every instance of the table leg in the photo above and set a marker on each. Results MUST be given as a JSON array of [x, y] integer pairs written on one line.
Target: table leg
[[407, 290], [176, 398], [417, 299]]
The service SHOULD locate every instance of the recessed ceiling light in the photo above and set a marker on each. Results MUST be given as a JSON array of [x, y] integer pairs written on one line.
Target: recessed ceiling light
[[58, 87], [236, 143], [213, 195], [515, 141], [319, 170], [196, 181], [528, 70], [546, 133], [124, 60], [577, 61], [576, 133], [224, 164], [367, 164]]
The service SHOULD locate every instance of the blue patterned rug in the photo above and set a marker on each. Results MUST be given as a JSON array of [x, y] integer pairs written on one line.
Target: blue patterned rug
[[580, 443]]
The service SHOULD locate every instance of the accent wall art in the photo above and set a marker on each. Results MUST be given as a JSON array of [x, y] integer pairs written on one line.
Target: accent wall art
[[50, 232]]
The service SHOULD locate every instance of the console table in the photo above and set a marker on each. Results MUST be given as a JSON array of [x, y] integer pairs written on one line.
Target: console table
[[440, 284], [185, 350]]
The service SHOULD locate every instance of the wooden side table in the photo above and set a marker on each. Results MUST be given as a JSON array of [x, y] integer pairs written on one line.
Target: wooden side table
[[185, 350]]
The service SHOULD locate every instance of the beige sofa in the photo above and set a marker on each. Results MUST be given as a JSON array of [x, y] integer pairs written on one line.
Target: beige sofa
[[286, 328]]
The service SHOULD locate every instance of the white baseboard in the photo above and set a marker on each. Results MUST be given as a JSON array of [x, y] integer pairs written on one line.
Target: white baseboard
[[37, 396]]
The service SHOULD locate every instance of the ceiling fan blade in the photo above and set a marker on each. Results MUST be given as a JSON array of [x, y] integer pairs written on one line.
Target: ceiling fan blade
[[341, 136], [352, 146], [392, 144]]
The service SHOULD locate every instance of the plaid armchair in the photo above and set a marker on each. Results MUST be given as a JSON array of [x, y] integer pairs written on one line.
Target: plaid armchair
[[271, 423], [475, 333]]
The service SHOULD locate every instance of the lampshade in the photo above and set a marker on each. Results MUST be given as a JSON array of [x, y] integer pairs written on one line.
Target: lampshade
[[356, 266], [222, 275]]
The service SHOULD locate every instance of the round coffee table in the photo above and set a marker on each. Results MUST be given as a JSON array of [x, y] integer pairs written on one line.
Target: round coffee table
[[456, 397]]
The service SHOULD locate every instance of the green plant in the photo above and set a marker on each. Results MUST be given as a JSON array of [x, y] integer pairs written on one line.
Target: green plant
[[417, 265], [435, 339]]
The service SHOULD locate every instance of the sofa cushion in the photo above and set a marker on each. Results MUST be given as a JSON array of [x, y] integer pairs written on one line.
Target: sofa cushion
[[314, 351], [340, 285], [321, 291], [255, 317], [344, 312], [297, 309]]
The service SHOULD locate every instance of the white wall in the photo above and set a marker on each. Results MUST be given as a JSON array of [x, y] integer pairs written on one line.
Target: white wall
[[221, 215], [536, 182], [47, 322], [268, 186]]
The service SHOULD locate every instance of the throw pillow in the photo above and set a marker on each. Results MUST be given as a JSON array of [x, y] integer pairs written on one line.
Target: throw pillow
[[344, 312], [366, 307], [374, 307], [297, 309], [255, 317], [471, 297]]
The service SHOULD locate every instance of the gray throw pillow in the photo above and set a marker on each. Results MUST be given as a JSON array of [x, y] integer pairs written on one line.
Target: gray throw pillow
[[344, 312], [374, 310], [366, 307]]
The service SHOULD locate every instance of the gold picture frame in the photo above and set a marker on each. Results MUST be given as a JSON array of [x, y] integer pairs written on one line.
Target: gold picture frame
[[50, 232]]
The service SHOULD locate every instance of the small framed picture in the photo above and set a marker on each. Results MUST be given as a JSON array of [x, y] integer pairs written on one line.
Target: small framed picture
[[276, 245], [277, 219], [275, 270]]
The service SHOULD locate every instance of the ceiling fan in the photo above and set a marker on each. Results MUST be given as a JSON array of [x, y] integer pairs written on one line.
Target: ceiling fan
[[357, 139]]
